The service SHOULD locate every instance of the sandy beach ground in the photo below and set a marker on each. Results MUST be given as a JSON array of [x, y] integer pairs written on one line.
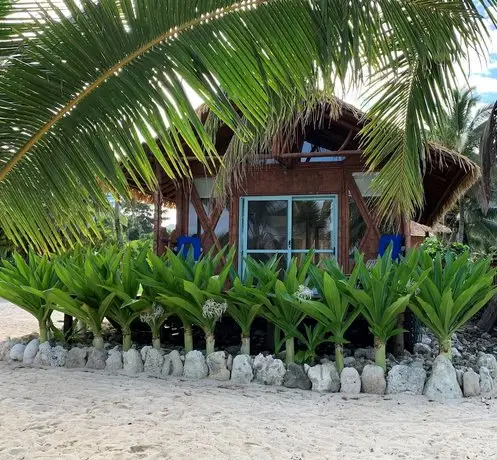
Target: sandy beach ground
[[73, 414], [15, 322]]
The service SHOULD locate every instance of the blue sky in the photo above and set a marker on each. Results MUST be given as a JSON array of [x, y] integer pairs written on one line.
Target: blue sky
[[483, 75]]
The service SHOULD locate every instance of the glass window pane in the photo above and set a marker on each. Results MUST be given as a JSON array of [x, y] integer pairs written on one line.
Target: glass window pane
[[267, 225], [312, 224]]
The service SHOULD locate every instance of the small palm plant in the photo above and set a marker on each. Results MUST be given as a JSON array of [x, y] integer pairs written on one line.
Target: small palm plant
[[199, 295], [123, 292], [244, 298], [24, 282], [157, 277], [334, 312], [83, 296], [280, 306], [383, 294], [454, 290]]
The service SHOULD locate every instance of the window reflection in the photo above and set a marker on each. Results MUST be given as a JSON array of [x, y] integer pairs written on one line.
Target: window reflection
[[267, 225], [311, 224]]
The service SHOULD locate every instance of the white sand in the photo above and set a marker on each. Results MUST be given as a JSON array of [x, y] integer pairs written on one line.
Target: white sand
[[67, 414], [15, 322]]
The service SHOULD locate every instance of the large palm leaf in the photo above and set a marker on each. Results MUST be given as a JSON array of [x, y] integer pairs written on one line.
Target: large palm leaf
[[100, 79]]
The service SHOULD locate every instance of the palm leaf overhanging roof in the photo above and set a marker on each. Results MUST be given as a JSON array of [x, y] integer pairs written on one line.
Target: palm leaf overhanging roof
[[78, 100], [447, 174]]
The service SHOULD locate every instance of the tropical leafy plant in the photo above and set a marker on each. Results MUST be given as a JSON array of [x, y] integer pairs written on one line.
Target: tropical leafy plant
[[280, 306], [383, 293], [24, 282], [61, 109], [453, 291], [200, 296], [244, 298], [83, 296], [125, 303], [191, 289], [312, 337], [334, 312], [157, 278]]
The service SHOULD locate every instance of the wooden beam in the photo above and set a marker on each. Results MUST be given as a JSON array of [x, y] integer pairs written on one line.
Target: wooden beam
[[284, 156], [356, 194], [331, 153], [205, 220], [346, 141], [157, 223]]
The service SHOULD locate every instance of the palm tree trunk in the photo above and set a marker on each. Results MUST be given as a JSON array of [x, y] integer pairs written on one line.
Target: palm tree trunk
[[460, 230], [126, 338], [98, 341], [446, 348], [42, 324], [245, 348], [210, 341], [380, 353], [188, 337], [290, 350], [339, 357]]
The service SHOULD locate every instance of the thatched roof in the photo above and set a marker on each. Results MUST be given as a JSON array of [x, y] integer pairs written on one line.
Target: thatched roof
[[447, 176]]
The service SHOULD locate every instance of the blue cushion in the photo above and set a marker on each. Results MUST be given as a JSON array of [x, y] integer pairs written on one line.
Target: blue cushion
[[187, 243], [397, 241]]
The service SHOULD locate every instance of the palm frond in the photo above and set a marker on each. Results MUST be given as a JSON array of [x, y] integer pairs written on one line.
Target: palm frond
[[102, 77]]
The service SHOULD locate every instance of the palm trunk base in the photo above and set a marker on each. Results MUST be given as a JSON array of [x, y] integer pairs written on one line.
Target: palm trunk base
[[98, 342], [446, 348], [156, 343], [188, 338], [380, 353], [290, 351], [339, 357], [245, 348], [43, 331], [210, 342], [126, 340]]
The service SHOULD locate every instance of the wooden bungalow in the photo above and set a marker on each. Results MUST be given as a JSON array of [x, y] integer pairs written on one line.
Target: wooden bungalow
[[310, 190]]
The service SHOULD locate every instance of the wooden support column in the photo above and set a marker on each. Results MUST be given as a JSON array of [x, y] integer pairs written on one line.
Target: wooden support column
[[157, 225], [182, 205], [399, 340], [343, 227]]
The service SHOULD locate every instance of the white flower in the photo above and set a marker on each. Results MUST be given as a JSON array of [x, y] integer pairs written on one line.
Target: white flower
[[154, 315], [303, 293], [213, 309]]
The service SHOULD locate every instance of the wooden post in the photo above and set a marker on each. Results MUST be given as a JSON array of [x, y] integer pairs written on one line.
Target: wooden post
[[157, 230], [399, 340]]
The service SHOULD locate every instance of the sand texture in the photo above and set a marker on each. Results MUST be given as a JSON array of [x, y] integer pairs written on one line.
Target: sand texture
[[72, 414]]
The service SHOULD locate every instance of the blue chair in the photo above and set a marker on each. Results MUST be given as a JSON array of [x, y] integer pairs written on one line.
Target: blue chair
[[397, 242], [188, 243]]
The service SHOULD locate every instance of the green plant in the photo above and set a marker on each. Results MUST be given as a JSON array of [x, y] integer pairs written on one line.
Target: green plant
[[312, 337], [157, 278], [84, 275], [125, 304], [200, 296], [280, 306], [453, 291], [383, 293], [24, 282], [433, 246], [334, 311], [190, 289], [244, 297]]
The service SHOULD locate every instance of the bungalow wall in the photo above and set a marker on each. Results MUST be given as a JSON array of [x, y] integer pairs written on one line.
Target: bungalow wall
[[303, 179]]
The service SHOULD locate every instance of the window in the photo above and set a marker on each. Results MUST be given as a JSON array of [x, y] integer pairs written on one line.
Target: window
[[288, 226]]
